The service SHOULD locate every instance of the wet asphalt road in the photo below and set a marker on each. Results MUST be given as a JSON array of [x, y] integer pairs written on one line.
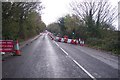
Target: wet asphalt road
[[45, 58]]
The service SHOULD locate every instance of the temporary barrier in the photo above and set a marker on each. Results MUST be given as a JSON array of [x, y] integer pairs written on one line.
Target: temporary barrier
[[76, 42], [56, 38], [59, 40], [69, 41], [66, 40], [51, 35], [82, 43], [72, 41], [62, 40], [9, 46], [6, 46]]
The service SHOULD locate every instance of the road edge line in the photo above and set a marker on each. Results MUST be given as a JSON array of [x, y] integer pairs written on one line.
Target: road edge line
[[84, 70], [61, 48], [90, 75], [64, 51]]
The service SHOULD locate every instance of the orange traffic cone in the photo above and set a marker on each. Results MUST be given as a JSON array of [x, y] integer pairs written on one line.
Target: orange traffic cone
[[17, 51]]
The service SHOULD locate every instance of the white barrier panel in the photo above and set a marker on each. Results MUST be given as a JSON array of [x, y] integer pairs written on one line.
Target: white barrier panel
[[80, 42], [74, 40], [62, 39], [57, 38], [69, 41], [77, 41]]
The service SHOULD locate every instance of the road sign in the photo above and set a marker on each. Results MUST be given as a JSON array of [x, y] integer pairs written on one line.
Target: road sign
[[6, 46]]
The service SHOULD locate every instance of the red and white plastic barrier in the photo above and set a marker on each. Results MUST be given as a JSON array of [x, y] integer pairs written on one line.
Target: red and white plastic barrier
[[70, 41], [82, 43], [51, 35], [66, 40]]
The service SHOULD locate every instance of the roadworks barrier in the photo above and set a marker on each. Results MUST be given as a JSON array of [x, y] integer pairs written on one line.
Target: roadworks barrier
[[12, 48], [70, 41], [9, 48], [67, 40], [51, 36]]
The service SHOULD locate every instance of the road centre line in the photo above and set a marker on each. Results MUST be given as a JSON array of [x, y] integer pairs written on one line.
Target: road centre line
[[90, 75]]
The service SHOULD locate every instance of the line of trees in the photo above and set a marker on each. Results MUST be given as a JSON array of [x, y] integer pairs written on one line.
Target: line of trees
[[21, 20], [91, 21]]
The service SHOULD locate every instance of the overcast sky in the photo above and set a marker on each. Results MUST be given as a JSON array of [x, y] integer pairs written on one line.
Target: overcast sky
[[58, 8]]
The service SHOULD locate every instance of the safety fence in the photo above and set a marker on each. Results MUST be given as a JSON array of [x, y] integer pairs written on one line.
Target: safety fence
[[67, 40]]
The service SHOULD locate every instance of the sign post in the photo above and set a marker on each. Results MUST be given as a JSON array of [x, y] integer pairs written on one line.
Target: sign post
[[6, 46]]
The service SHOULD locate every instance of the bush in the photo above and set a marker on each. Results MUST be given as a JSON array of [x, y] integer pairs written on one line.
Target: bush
[[106, 44]]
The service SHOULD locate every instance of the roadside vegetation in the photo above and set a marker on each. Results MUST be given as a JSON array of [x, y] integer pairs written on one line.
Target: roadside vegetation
[[21, 20], [92, 22]]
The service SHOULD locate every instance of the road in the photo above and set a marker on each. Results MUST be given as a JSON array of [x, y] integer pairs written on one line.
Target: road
[[45, 58]]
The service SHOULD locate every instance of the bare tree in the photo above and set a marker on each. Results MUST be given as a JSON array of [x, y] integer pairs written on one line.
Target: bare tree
[[95, 12]]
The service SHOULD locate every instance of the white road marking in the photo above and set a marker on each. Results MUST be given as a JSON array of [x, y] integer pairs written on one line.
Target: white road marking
[[90, 75], [56, 44], [64, 51], [84, 70], [61, 48]]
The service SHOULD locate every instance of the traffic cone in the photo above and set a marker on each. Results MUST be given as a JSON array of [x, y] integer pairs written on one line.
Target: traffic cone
[[17, 51], [72, 41], [59, 40]]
